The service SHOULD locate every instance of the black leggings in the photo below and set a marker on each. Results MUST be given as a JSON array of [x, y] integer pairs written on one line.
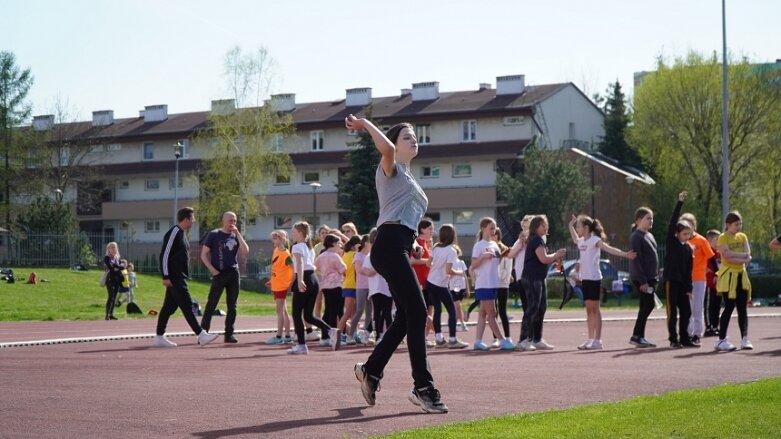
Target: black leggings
[[712, 308], [112, 287], [304, 303], [501, 307], [334, 306], [646, 306], [383, 307], [390, 257], [738, 302], [677, 301], [439, 296]]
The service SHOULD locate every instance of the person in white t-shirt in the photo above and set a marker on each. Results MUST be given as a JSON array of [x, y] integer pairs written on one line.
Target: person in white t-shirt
[[379, 293], [589, 236], [459, 288], [518, 254], [486, 257], [441, 260]]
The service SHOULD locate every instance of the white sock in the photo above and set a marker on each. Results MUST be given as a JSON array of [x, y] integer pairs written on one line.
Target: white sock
[[439, 336], [452, 339]]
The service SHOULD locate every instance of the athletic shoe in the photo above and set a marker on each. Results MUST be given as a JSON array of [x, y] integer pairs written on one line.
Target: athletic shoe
[[690, 343], [675, 345], [480, 346], [430, 344], [371, 341], [440, 343], [370, 385], [711, 332], [595, 345], [312, 336], [230, 339], [641, 342], [358, 339], [325, 343], [161, 341], [495, 343], [461, 327], [365, 337], [695, 340], [583, 346], [456, 344], [724, 346], [542, 345], [525, 345], [335, 337], [299, 349], [351, 341], [428, 399], [288, 340], [506, 345], [275, 340], [205, 338], [745, 343]]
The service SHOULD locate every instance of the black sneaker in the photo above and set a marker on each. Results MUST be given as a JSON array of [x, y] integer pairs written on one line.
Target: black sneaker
[[711, 332], [369, 384], [428, 399], [641, 342], [693, 342], [230, 339], [675, 345]]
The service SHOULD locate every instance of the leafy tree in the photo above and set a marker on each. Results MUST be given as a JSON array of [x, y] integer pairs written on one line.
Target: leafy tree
[[14, 111], [617, 119], [677, 128], [241, 141], [551, 184], [358, 192]]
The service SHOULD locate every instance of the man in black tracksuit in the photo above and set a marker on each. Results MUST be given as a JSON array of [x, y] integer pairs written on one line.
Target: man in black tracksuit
[[678, 277], [174, 264]]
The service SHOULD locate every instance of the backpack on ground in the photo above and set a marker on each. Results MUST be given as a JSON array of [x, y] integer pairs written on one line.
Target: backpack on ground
[[132, 308]]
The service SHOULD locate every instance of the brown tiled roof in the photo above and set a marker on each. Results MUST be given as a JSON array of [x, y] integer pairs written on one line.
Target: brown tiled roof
[[315, 115]]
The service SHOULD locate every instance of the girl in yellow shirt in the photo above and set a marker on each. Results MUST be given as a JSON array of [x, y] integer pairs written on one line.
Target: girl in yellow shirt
[[733, 283]]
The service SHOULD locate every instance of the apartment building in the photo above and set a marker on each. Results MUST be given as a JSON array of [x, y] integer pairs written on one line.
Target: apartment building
[[464, 136]]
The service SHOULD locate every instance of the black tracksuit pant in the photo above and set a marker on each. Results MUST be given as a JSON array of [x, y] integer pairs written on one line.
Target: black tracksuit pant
[[677, 302], [646, 303], [229, 281], [304, 306], [178, 296]]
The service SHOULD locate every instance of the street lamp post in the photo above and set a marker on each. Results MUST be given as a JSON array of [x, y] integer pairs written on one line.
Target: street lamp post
[[177, 154], [314, 185], [724, 132], [629, 180]]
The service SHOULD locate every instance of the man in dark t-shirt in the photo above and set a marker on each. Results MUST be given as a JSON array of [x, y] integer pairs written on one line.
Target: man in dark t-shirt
[[220, 256]]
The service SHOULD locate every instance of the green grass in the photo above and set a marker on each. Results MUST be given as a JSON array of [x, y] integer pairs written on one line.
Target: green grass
[[76, 295], [748, 410]]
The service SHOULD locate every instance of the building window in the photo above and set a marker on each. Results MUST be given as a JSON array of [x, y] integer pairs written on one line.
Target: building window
[[433, 216], [317, 138], [311, 177], [429, 172], [149, 151], [151, 226], [282, 179], [423, 133], [94, 149], [185, 149], [462, 170], [283, 222], [171, 183], [463, 216], [513, 120], [469, 130], [124, 184], [152, 185], [277, 142], [114, 147], [252, 221]]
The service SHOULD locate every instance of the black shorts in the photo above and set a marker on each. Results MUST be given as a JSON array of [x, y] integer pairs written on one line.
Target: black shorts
[[591, 289], [457, 295], [427, 298]]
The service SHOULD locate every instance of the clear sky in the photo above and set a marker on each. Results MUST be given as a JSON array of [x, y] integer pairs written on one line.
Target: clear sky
[[123, 55]]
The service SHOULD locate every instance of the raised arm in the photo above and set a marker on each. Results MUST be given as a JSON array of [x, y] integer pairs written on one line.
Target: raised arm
[[572, 233], [386, 148], [671, 229]]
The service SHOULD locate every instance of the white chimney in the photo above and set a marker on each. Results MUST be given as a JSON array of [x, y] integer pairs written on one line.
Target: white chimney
[[283, 102], [425, 91], [221, 107], [154, 113], [102, 118], [406, 92], [43, 123], [510, 85], [485, 86], [358, 97]]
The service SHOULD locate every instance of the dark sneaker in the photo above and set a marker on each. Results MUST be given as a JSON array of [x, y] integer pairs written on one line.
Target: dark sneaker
[[693, 342], [711, 332], [675, 345], [428, 399], [369, 384], [230, 339], [641, 342]]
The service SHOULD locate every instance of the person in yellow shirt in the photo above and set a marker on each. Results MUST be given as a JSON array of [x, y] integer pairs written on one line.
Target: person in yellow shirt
[[281, 280], [733, 282], [348, 286], [702, 253]]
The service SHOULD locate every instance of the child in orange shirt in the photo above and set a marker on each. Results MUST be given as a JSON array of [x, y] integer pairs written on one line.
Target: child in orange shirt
[[281, 278], [702, 252]]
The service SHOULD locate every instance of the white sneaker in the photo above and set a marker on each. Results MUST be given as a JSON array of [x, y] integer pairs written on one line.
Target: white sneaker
[[595, 345], [335, 337], [299, 349], [325, 343], [365, 337], [745, 343], [205, 338], [372, 340], [461, 327], [525, 345], [725, 346], [495, 344], [161, 341], [312, 336], [583, 346], [542, 345]]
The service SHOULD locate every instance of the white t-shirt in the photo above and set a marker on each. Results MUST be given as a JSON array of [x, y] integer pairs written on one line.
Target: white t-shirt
[[307, 256], [440, 257], [589, 258], [377, 283], [519, 259], [505, 272], [487, 274], [458, 283]]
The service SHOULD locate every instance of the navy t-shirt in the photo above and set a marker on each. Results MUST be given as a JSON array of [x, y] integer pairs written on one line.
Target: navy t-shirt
[[224, 249], [533, 269]]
